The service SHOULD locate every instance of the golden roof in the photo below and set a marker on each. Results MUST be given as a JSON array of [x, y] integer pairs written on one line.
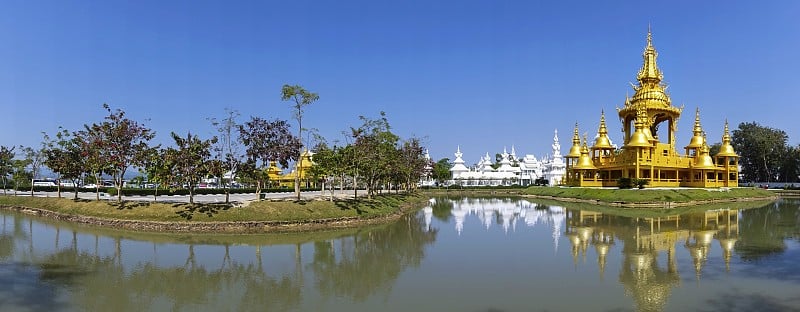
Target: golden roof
[[575, 150], [704, 161], [639, 138], [697, 138], [602, 141], [650, 93], [584, 161], [726, 150]]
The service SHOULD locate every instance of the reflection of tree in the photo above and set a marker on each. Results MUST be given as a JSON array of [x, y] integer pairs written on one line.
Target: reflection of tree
[[371, 261], [441, 209], [762, 231]]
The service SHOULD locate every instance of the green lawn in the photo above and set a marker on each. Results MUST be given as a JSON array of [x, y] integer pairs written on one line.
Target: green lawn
[[648, 195], [290, 211]]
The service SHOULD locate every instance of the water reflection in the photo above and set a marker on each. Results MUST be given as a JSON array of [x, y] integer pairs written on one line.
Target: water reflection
[[457, 254], [650, 246], [53, 268]]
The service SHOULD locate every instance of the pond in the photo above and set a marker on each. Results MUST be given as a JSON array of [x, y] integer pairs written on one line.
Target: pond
[[457, 254]]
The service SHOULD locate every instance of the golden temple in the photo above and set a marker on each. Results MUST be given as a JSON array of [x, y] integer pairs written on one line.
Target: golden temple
[[647, 153]]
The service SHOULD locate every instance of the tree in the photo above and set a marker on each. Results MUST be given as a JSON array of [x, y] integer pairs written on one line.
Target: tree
[[441, 170], [228, 149], [20, 174], [327, 165], [375, 151], [64, 157], [190, 159], [6, 165], [124, 144], [35, 158], [159, 169], [266, 141], [300, 98], [90, 144], [413, 162], [790, 167], [761, 150]]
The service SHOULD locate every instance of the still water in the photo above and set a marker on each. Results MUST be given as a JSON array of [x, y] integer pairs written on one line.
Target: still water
[[457, 254]]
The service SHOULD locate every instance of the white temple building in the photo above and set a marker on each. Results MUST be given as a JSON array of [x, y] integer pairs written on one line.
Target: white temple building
[[510, 170]]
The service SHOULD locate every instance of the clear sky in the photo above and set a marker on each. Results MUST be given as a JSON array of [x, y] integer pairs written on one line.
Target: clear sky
[[479, 74]]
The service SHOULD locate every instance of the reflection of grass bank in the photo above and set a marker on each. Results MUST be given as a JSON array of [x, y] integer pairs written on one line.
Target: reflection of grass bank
[[659, 197], [183, 216], [653, 212]]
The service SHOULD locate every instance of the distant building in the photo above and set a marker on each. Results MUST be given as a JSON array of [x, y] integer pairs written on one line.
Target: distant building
[[510, 170]]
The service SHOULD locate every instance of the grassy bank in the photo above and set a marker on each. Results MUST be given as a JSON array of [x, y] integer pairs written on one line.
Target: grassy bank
[[612, 196], [276, 211]]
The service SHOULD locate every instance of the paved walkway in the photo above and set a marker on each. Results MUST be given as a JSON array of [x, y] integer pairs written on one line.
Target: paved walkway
[[215, 198]]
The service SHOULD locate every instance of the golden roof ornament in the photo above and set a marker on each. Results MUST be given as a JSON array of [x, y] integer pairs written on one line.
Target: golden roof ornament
[[602, 141], [649, 73], [704, 161], [575, 150], [697, 138], [639, 138], [584, 161], [726, 149]]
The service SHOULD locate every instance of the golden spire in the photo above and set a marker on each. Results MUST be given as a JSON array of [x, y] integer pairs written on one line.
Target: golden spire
[[602, 141], [704, 161], [575, 150], [585, 162], [649, 72], [726, 149], [639, 138], [697, 138]]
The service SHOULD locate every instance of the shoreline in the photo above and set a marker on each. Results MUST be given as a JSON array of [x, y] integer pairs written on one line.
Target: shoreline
[[222, 227], [310, 225], [653, 204]]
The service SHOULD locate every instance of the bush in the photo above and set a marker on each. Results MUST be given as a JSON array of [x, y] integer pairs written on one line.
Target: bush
[[641, 182], [625, 183]]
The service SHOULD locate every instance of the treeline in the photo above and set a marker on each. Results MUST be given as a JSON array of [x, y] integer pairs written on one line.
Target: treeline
[[764, 154], [241, 152]]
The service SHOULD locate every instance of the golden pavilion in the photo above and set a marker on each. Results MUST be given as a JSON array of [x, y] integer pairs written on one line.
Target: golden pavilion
[[648, 153], [278, 179]]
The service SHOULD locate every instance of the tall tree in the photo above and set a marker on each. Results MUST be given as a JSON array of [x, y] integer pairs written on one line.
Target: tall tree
[[761, 150], [441, 170], [300, 98], [265, 142], [20, 174], [64, 157], [35, 157], [413, 162], [228, 149], [376, 151], [91, 144], [190, 157], [6, 165], [124, 142], [159, 169], [790, 166]]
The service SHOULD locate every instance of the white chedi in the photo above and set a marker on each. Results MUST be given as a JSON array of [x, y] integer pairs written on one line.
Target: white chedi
[[510, 170]]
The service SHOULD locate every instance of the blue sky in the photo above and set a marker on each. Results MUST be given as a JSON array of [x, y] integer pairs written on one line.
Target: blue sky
[[479, 74]]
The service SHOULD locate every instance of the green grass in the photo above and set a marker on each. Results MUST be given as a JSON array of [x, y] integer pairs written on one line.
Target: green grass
[[648, 195], [280, 211]]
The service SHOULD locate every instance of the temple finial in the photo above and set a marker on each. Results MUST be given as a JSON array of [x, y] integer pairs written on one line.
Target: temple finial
[[649, 71]]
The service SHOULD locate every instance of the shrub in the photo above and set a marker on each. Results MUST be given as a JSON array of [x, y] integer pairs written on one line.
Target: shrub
[[641, 182], [625, 183]]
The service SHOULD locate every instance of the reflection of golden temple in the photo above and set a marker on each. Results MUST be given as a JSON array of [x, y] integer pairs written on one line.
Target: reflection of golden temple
[[287, 180], [646, 154], [648, 283]]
